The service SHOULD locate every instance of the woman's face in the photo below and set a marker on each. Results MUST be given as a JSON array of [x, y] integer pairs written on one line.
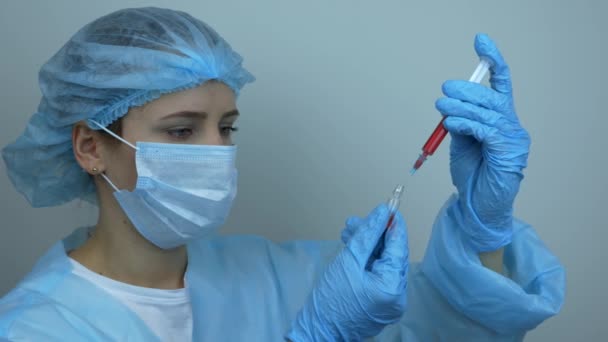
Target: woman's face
[[204, 115]]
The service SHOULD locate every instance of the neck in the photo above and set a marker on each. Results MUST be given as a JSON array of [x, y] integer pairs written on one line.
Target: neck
[[117, 250]]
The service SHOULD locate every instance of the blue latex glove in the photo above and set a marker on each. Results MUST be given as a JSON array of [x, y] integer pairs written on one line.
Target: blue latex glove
[[488, 153], [349, 302]]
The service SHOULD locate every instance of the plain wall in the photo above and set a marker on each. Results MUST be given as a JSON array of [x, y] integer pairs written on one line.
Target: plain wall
[[343, 102]]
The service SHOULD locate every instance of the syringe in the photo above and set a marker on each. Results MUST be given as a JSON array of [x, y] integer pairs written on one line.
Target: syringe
[[393, 206], [440, 132]]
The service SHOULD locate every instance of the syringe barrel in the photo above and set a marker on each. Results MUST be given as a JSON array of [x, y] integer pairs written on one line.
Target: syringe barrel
[[435, 139]]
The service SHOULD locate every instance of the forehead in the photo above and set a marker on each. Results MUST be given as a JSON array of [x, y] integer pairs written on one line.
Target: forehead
[[214, 98]]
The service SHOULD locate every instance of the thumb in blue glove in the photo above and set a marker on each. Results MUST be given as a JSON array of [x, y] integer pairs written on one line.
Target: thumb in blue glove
[[350, 302], [489, 150]]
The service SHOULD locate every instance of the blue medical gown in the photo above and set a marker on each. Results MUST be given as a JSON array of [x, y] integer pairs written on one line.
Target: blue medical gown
[[249, 288]]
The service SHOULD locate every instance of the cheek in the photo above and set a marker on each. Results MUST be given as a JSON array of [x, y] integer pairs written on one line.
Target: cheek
[[121, 168], [130, 173]]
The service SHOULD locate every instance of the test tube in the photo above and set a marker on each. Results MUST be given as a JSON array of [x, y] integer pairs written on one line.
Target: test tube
[[393, 206]]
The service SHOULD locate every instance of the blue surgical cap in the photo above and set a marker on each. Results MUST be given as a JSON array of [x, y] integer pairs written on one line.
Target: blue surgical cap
[[124, 59]]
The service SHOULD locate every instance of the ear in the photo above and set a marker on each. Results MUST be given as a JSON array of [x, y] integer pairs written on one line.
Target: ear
[[87, 146]]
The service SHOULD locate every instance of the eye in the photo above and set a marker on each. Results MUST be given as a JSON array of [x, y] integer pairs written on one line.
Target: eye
[[180, 133], [227, 131]]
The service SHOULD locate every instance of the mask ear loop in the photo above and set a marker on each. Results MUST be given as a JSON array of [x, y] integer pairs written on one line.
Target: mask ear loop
[[109, 181], [119, 138], [114, 134]]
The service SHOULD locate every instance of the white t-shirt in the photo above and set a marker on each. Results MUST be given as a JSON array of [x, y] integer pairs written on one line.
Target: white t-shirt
[[167, 313]]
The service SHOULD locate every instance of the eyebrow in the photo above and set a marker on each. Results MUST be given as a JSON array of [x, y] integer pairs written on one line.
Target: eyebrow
[[202, 115]]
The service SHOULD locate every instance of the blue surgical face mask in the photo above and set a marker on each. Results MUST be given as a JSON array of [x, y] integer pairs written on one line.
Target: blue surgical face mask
[[183, 192]]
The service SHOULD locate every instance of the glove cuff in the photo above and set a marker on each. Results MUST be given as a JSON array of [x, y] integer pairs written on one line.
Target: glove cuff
[[307, 328], [481, 237], [533, 293]]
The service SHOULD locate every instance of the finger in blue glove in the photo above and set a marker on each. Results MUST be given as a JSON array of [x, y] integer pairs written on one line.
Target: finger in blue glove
[[350, 302], [488, 152]]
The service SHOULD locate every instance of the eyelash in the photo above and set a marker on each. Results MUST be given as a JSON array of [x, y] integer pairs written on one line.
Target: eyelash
[[176, 133], [230, 129]]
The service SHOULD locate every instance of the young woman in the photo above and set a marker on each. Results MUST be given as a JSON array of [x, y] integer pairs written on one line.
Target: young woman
[[137, 114]]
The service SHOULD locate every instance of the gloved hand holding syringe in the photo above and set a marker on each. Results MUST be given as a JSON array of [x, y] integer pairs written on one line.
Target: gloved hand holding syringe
[[428, 149]]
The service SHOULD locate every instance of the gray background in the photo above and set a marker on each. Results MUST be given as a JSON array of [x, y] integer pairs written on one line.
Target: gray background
[[344, 101]]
